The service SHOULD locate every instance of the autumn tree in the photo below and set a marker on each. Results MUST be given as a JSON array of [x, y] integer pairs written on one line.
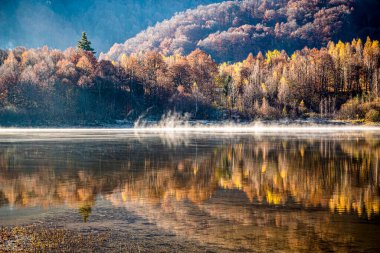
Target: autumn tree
[[203, 70]]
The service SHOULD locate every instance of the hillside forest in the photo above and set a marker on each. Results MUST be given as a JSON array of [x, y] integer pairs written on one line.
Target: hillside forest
[[43, 86], [230, 30]]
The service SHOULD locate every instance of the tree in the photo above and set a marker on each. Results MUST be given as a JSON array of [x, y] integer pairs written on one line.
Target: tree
[[203, 70], [85, 44], [283, 91]]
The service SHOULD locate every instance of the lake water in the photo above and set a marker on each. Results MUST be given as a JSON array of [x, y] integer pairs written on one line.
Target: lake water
[[259, 191]]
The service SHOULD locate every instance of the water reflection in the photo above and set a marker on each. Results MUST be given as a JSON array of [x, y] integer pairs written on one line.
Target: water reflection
[[217, 190]]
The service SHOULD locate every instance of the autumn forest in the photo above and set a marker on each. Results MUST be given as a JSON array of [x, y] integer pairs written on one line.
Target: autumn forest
[[227, 60], [340, 81]]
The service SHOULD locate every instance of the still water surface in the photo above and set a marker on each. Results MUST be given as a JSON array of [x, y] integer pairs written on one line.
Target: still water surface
[[243, 192]]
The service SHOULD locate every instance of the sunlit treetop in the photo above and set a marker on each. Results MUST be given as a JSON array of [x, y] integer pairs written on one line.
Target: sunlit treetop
[[85, 44]]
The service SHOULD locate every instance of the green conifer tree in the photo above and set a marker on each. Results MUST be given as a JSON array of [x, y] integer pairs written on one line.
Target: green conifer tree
[[85, 44]]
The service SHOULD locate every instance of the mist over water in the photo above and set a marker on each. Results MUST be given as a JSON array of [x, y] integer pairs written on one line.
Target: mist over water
[[179, 125], [172, 122]]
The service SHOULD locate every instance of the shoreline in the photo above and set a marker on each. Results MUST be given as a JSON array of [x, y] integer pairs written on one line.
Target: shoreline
[[174, 123], [94, 237]]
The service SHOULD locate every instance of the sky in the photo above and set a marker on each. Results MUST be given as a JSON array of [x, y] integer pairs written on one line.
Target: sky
[[59, 23]]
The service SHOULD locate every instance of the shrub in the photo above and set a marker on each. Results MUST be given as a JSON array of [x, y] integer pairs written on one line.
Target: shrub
[[350, 110], [372, 116], [267, 111]]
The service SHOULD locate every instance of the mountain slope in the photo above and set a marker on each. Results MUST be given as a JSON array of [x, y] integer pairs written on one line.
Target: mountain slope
[[232, 29]]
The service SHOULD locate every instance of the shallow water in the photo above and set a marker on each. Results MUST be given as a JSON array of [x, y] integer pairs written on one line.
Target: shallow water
[[289, 189]]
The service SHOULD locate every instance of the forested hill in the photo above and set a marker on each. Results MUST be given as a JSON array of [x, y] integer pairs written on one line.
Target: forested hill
[[55, 23], [230, 30]]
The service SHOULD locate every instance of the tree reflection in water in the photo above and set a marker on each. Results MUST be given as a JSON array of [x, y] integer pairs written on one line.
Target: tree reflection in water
[[227, 190]]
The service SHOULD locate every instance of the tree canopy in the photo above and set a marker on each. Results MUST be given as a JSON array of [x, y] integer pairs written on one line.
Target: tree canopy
[[341, 81]]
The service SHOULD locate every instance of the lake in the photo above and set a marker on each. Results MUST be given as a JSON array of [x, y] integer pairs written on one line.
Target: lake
[[215, 191]]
